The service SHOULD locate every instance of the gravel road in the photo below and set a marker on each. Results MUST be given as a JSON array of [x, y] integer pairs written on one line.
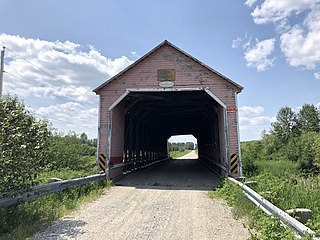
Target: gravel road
[[191, 155], [168, 201]]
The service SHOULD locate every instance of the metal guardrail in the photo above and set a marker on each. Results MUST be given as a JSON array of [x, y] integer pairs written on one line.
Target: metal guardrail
[[53, 187], [269, 208]]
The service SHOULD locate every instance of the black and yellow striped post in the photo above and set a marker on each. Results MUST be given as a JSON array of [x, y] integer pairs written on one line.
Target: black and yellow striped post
[[102, 163], [234, 166]]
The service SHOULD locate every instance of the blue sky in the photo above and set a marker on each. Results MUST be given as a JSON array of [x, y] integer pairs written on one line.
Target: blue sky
[[271, 47]]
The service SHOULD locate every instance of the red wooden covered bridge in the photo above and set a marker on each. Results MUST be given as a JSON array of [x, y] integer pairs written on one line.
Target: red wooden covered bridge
[[168, 92]]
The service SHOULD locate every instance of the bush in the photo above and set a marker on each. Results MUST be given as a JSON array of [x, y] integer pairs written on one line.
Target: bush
[[66, 152], [251, 152], [309, 151], [24, 141]]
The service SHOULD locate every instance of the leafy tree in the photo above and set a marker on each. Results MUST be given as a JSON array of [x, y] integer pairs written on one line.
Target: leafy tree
[[83, 138], [180, 146], [24, 141], [269, 143], [251, 152], [316, 150], [66, 151], [309, 147], [189, 145], [309, 118], [285, 125]]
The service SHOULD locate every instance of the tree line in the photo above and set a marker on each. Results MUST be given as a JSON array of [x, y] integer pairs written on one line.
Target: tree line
[[295, 136], [29, 147], [181, 146]]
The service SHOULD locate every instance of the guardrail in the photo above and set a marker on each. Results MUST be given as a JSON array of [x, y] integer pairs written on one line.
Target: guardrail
[[53, 187], [271, 209]]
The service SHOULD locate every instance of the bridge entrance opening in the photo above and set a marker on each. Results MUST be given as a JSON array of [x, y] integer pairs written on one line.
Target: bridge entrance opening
[[149, 118], [183, 146]]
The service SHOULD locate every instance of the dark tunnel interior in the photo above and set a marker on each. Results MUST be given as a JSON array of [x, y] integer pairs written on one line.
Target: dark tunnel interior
[[153, 117]]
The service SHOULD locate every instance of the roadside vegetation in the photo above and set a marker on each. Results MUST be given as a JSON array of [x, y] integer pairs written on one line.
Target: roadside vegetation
[[180, 149], [286, 164], [31, 153]]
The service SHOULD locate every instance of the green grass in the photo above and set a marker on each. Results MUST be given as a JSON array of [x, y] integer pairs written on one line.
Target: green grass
[[281, 184], [277, 168], [21, 221], [177, 154], [292, 191]]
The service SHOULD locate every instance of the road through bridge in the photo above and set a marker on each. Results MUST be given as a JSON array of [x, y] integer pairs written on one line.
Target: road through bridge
[[165, 201]]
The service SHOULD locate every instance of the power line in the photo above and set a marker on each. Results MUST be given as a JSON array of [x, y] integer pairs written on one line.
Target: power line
[[42, 70], [63, 121], [34, 65], [52, 76], [15, 76]]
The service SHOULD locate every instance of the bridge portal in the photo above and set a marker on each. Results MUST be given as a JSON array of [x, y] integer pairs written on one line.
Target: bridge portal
[[168, 92]]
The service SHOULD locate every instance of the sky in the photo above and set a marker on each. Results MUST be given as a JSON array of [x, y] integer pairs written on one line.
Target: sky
[[58, 51]]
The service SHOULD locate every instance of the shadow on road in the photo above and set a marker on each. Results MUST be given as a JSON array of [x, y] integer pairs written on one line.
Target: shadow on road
[[62, 229], [178, 174]]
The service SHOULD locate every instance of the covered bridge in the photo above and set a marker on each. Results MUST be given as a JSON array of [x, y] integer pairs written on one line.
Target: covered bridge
[[168, 92]]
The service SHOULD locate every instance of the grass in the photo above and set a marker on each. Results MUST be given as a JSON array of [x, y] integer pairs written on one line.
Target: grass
[[21, 221], [177, 154], [277, 168], [280, 183]]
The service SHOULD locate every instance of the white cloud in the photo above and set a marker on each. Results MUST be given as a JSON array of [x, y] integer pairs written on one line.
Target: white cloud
[[298, 24], [300, 44], [74, 70], [250, 2], [277, 11], [244, 42], [65, 91], [72, 116], [250, 110], [257, 56], [252, 121], [236, 42], [317, 75]]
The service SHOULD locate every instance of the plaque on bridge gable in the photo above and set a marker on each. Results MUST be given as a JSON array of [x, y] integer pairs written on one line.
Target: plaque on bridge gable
[[166, 75]]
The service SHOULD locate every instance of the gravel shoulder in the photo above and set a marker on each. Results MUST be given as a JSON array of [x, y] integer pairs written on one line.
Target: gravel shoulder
[[146, 205]]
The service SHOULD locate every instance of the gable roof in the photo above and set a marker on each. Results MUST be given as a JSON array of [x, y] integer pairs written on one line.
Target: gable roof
[[166, 42]]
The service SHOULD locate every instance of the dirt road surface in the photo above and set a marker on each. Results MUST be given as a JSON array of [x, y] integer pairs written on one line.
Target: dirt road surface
[[168, 201], [191, 155]]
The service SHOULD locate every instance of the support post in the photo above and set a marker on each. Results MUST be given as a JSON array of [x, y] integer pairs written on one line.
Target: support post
[[1, 71]]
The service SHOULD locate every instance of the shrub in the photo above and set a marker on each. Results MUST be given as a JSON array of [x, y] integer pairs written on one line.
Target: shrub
[[24, 141]]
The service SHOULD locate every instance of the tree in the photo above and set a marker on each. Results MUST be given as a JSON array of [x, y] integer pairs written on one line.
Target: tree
[[309, 152], [23, 144], [285, 125], [308, 118], [84, 138], [66, 151]]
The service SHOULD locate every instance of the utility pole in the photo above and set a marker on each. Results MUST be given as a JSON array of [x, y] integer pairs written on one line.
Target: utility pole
[[1, 71]]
